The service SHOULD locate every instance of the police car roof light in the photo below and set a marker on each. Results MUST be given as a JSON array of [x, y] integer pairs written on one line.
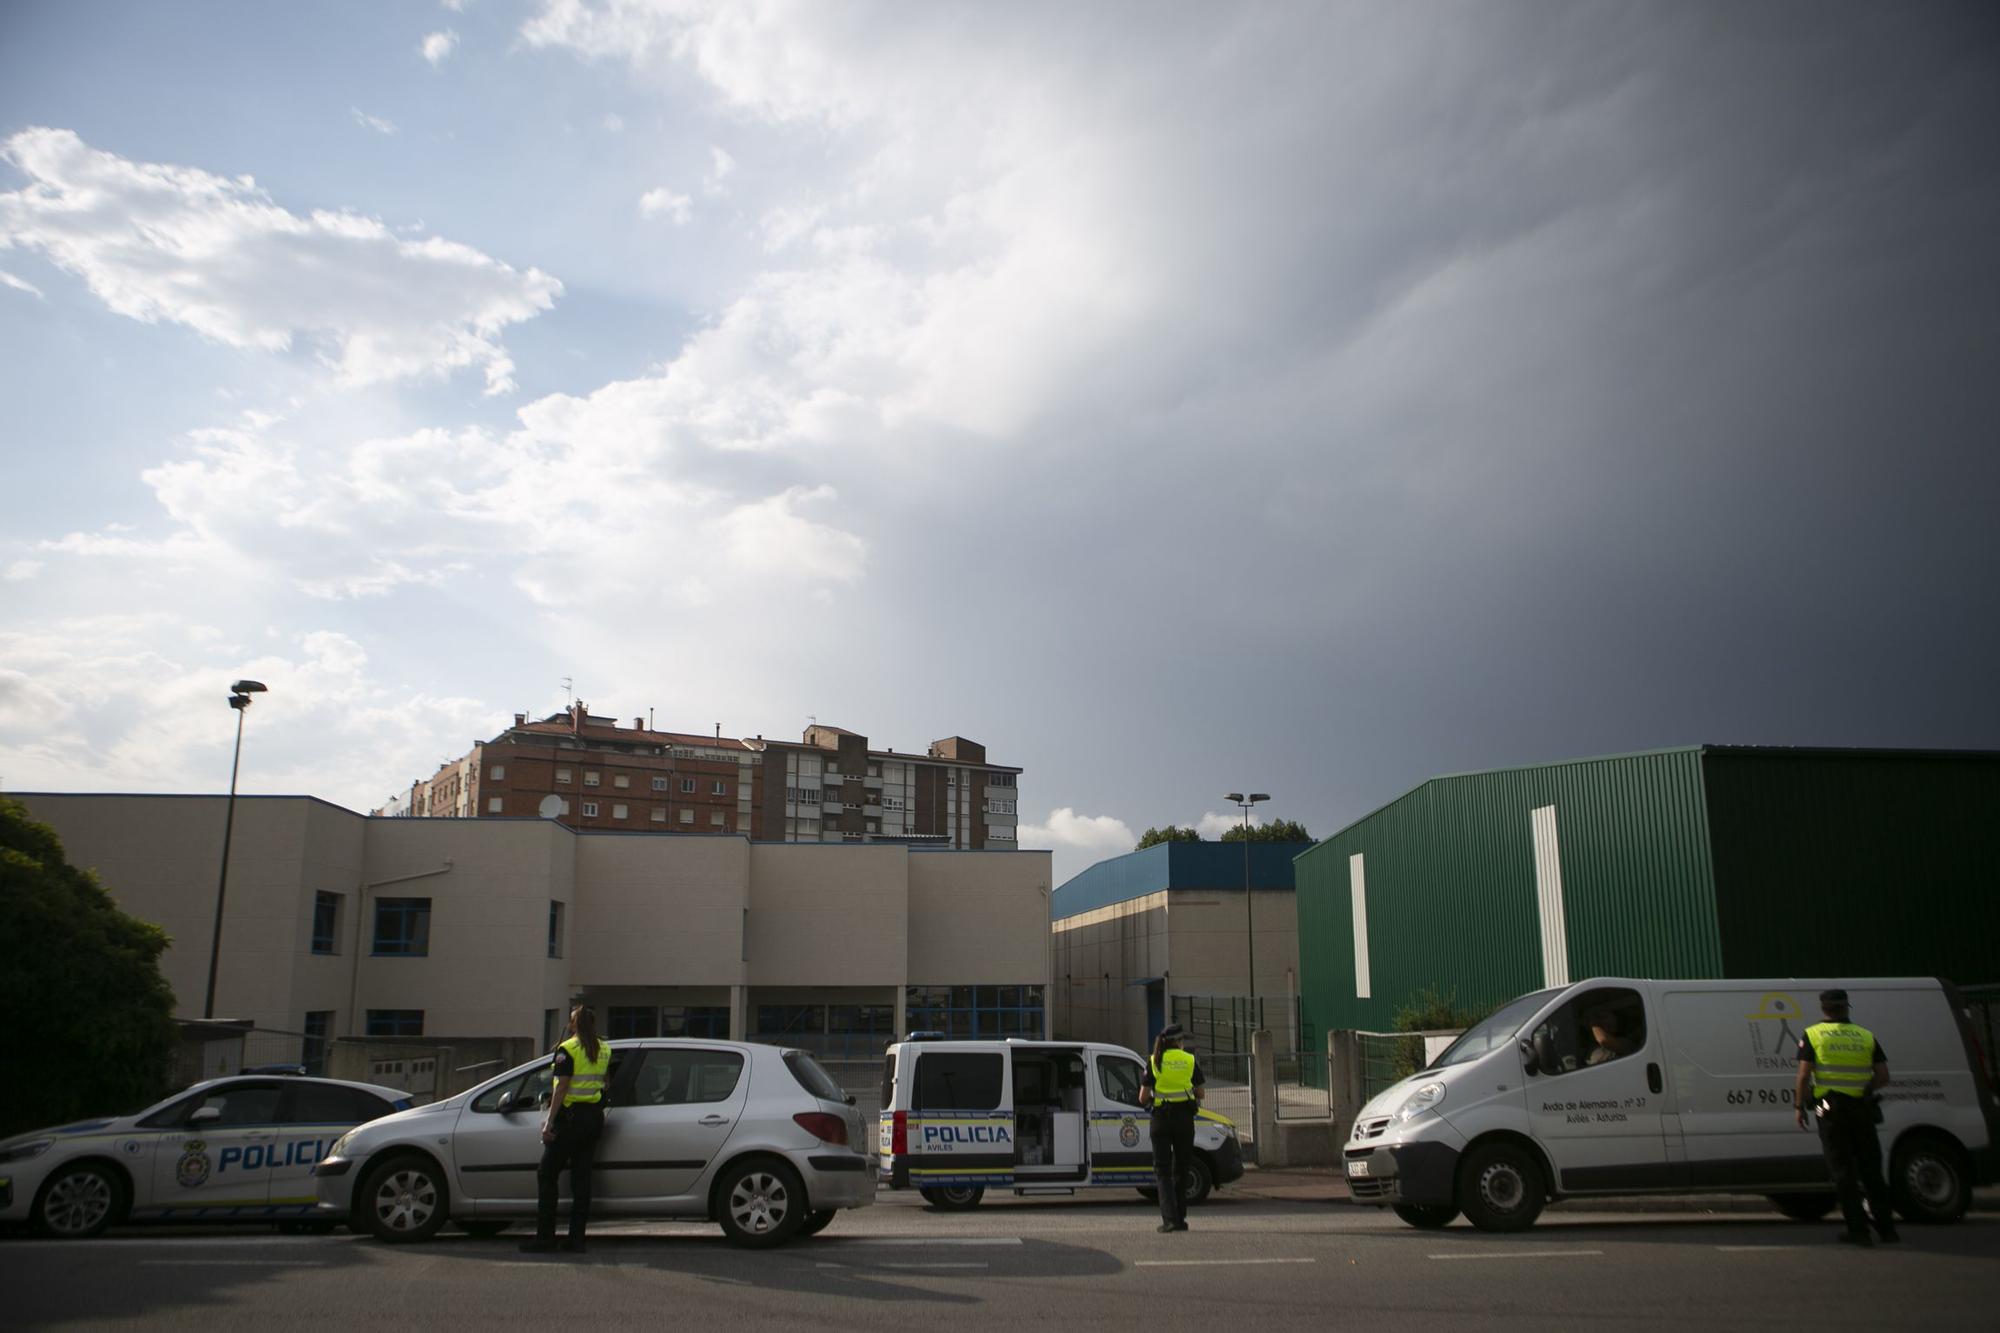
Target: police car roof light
[[926, 1036]]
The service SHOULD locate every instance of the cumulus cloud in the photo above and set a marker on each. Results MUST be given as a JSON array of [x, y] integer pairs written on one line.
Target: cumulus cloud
[[438, 46], [19, 571], [20, 285], [662, 202], [375, 123], [1077, 840], [157, 242]]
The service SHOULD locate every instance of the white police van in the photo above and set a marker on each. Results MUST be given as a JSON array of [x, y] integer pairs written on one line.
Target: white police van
[[1038, 1117], [1616, 1086]]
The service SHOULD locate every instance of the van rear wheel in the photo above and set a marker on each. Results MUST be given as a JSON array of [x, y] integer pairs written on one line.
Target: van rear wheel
[[1500, 1188], [953, 1198], [1804, 1207], [1928, 1181]]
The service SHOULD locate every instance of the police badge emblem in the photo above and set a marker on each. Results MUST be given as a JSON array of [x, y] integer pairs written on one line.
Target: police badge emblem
[[1128, 1132], [192, 1169]]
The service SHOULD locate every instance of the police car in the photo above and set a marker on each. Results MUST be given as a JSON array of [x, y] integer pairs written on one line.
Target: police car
[[230, 1149]]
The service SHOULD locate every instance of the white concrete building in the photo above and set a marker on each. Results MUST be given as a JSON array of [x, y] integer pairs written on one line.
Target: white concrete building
[[342, 925]]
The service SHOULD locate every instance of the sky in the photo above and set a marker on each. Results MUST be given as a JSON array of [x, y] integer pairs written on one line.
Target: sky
[[1177, 399]]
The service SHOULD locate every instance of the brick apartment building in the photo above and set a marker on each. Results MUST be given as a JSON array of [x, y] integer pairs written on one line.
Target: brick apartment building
[[827, 787]]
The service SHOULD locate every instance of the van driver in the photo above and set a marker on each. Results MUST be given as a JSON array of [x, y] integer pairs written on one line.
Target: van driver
[[1604, 1030]]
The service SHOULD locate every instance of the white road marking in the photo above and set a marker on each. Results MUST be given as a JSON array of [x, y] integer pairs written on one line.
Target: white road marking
[[1212, 1263], [937, 1265], [930, 1240], [1748, 1249], [1523, 1254], [232, 1263]]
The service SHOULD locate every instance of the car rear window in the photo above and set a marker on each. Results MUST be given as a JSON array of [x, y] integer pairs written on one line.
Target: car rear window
[[957, 1081], [812, 1076]]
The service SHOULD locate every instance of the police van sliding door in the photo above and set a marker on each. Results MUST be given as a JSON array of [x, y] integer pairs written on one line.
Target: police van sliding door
[[1596, 1101], [216, 1163], [961, 1124]]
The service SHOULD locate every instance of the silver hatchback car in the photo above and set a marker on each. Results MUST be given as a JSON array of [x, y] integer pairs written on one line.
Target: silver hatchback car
[[758, 1138]]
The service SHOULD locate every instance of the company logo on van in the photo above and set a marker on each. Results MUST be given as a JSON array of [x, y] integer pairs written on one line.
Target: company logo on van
[[1774, 1043]]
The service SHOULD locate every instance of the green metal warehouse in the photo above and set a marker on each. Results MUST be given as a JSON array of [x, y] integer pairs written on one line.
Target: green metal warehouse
[[1707, 861]]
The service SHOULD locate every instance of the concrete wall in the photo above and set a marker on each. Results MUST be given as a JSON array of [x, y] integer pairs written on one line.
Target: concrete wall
[[978, 918], [830, 915], [642, 917]]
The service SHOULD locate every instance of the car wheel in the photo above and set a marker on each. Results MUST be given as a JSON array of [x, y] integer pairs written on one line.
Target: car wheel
[[1500, 1188], [817, 1222], [490, 1227], [1197, 1184], [1928, 1181], [761, 1204], [1426, 1216], [78, 1202], [1804, 1207], [404, 1199], [953, 1198]]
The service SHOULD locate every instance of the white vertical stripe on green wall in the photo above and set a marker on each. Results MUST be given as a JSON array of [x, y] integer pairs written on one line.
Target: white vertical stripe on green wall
[[1357, 888], [1549, 897]]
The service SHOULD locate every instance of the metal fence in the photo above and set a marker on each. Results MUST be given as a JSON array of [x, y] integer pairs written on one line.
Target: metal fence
[[1388, 1058], [1222, 1024]]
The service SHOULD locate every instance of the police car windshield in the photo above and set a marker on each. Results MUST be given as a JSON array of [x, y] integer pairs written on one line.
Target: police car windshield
[[1493, 1031]]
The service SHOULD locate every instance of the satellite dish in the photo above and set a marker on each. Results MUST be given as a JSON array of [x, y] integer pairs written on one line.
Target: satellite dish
[[550, 807]]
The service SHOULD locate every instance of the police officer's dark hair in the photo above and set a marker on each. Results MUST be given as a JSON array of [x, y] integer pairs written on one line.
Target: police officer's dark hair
[[584, 1019]]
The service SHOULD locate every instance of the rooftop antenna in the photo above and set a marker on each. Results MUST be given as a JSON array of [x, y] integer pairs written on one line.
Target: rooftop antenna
[[649, 719], [569, 693]]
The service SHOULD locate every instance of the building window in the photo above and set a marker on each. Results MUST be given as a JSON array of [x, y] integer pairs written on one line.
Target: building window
[[1001, 834], [620, 780], [618, 812], [999, 807], [659, 784], [563, 806], [395, 1022], [951, 777], [718, 788], [892, 803], [590, 809], [626, 1020], [555, 929], [496, 773], [319, 1039], [326, 923], [403, 927], [687, 785], [695, 1020], [976, 1011], [550, 1030], [493, 805], [687, 815], [715, 818], [999, 779], [659, 815], [589, 778], [562, 775]]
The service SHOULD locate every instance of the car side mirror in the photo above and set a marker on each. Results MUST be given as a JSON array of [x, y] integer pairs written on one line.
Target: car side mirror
[[1545, 1051], [205, 1115], [509, 1103], [849, 1099]]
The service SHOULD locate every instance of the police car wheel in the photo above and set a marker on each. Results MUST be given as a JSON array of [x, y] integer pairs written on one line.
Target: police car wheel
[[404, 1199], [817, 1222], [953, 1198], [1500, 1188], [761, 1203], [1927, 1181], [1804, 1207], [78, 1202], [1197, 1184]]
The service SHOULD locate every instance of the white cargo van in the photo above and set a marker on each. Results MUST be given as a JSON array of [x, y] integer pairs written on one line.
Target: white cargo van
[[1692, 1094], [1038, 1117]]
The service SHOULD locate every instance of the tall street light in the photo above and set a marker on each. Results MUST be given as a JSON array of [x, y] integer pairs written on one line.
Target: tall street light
[[1249, 932], [239, 699]]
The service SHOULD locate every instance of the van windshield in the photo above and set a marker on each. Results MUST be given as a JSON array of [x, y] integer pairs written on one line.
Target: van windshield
[[1493, 1031]]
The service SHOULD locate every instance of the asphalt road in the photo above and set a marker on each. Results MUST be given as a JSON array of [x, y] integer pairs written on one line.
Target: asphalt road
[[1247, 1264]]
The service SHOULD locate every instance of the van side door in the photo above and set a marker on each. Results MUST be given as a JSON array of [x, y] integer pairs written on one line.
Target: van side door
[[1598, 1097], [961, 1122], [1121, 1134]]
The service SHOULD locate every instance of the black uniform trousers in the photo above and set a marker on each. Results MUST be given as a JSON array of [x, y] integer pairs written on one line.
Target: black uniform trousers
[[1854, 1158], [1173, 1155], [578, 1127]]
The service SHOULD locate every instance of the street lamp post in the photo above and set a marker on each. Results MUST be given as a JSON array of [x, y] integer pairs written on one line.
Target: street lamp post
[[239, 699], [1249, 935]]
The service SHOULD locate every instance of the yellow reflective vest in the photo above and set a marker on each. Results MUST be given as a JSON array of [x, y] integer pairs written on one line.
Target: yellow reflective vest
[[1173, 1077], [1843, 1059], [586, 1080]]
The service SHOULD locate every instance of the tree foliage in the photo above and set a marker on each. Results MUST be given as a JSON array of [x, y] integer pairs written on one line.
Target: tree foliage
[[89, 1026], [1278, 830], [1154, 836], [1428, 1010]]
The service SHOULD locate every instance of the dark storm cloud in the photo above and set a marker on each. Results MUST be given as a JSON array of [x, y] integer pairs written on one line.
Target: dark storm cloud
[[1543, 381]]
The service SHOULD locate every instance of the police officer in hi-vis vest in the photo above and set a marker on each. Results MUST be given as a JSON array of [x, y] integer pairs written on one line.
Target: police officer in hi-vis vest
[[570, 1131], [1843, 1065], [1172, 1089]]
